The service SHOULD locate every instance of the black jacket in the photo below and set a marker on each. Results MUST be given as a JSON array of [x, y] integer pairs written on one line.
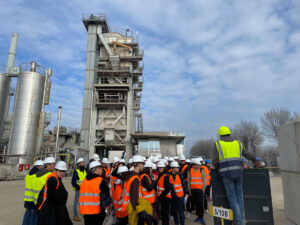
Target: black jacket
[[54, 210], [167, 185]]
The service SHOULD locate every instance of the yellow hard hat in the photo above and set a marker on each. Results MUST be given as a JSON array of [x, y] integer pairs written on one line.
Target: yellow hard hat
[[224, 131]]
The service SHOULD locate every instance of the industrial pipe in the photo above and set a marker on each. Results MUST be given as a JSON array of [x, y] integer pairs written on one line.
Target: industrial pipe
[[57, 130], [12, 51]]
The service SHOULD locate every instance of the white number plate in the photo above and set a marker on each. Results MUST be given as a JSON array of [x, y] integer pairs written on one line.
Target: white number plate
[[221, 212]]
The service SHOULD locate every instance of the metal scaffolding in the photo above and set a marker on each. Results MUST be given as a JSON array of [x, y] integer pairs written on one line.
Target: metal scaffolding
[[113, 88]]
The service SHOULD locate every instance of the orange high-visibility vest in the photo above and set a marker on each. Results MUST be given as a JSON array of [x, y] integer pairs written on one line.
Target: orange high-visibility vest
[[196, 179], [89, 197], [117, 190], [148, 195], [177, 185], [107, 172], [209, 177], [161, 187], [126, 191], [184, 168], [206, 171], [46, 188]]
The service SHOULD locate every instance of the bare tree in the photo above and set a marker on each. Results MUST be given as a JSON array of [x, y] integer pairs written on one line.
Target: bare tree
[[274, 118], [249, 134], [202, 148]]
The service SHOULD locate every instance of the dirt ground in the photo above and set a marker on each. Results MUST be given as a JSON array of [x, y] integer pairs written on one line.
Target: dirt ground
[[12, 211]]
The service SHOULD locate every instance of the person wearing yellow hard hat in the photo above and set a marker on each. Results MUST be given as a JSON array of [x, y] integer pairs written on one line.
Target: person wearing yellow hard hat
[[227, 159]]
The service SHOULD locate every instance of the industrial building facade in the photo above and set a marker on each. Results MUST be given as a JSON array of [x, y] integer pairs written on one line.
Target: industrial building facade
[[113, 88]]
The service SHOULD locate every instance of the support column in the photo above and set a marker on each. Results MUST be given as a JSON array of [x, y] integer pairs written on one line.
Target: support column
[[90, 77]]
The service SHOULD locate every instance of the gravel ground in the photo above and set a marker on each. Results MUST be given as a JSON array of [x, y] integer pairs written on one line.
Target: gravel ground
[[12, 211]]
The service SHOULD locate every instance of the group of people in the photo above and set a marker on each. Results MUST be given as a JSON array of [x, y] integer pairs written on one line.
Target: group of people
[[141, 191]]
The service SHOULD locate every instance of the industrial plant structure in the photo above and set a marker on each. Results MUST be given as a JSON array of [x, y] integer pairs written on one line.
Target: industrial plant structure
[[22, 130], [113, 88]]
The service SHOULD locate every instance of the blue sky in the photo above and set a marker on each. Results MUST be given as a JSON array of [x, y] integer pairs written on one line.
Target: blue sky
[[207, 63]]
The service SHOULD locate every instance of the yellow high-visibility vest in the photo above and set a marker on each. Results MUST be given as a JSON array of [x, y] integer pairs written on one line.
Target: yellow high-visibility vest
[[81, 175], [38, 184], [29, 192]]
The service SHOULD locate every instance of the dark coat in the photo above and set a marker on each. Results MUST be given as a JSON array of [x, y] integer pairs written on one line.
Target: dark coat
[[54, 210]]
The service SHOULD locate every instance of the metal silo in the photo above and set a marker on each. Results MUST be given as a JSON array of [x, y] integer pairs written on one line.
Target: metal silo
[[4, 92], [26, 117]]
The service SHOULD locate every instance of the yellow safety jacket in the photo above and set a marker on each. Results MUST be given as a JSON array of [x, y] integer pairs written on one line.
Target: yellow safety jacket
[[29, 192], [230, 158], [38, 184], [81, 175]]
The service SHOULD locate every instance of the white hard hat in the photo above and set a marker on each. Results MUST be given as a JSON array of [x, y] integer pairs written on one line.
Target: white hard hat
[[187, 160], [198, 161], [166, 158], [49, 160], [105, 160], [150, 158], [155, 159], [201, 159], [122, 169], [137, 159], [148, 164], [171, 159], [176, 157], [39, 163], [161, 164], [94, 164], [116, 159], [130, 161], [122, 161], [96, 157], [174, 165], [182, 157], [154, 166], [79, 160], [193, 160], [144, 158], [61, 165]]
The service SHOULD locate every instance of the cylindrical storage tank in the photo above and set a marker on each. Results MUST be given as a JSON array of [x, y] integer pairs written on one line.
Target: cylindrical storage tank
[[4, 92], [27, 110]]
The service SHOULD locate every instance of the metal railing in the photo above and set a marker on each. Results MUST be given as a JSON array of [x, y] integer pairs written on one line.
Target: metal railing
[[92, 16], [28, 67]]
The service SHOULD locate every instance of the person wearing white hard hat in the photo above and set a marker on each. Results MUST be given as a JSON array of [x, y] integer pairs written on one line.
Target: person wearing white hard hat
[[117, 190], [179, 192], [207, 188], [163, 192], [53, 198], [94, 196], [183, 166], [41, 177], [30, 216], [78, 176], [196, 186], [105, 164], [122, 162], [176, 158], [148, 182], [132, 187], [95, 157]]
